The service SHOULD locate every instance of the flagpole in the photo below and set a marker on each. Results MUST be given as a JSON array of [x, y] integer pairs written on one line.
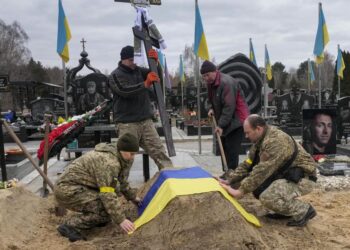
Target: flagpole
[[265, 94], [182, 97], [338, 75], [65, 90], [319, 86], [309, 75], [197, 81]]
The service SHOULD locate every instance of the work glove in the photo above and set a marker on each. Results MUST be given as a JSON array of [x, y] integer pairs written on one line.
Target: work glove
[[151, 78], [152, 53]]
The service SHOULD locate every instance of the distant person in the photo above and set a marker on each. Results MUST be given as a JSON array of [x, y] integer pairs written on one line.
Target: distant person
[[278, 171], [228, 106], [89, 186], [321, 133], [91, 99], [133, 112], [284, 105]]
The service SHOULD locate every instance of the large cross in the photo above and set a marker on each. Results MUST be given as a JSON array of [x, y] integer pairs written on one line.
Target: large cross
[[149, 42]]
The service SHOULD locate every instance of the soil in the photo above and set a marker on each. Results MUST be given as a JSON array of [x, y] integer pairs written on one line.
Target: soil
[[202, 221]]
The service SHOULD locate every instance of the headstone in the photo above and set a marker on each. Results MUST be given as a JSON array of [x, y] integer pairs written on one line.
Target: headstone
[[344, 117], [88, 92], [319, 131], [327, 97], [4, 81], [42, 106], [290, 106]]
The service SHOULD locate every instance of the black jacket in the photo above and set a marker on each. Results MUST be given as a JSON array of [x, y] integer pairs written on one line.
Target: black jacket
[[132, 101]]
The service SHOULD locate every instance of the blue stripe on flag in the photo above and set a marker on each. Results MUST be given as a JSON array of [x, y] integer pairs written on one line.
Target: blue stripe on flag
[[186, 173]]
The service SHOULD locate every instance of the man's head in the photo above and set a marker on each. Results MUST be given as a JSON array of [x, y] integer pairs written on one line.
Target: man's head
[[127, 56], [128, 146], [91, 87], [254, 127], [322, 127], [208, 71]]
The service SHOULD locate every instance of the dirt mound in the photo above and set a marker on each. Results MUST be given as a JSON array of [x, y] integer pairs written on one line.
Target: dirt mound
[[188, 222]]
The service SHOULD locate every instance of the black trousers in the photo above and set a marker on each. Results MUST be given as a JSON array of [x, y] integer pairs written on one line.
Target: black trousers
[[232, 146]]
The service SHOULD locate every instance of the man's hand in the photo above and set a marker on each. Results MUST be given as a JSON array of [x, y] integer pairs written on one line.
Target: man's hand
[[127, 226], [210, 112], [222, 180], [151, 78], [152, 53], [218, 130], [137, 201], [234, 192]]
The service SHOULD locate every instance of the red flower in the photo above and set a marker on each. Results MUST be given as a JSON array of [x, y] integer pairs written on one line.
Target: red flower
[[54, 134]]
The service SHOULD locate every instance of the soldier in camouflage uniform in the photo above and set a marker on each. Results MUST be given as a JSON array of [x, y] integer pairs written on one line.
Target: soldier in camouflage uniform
[[277, 171], [133, 112], [90, 184]]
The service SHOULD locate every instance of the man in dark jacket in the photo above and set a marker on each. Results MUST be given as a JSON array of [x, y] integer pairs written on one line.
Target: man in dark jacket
[[229, 109], [133, 112]]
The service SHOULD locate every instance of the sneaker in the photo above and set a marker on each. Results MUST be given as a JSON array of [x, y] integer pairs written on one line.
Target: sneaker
[[311, 213], [70, 232], [276, 216]]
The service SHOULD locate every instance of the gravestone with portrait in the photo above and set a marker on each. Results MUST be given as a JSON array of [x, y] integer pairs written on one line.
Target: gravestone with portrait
[[43, 106], [343, 117], [84, 94], [289, 110], [319, 131], [327, 98]]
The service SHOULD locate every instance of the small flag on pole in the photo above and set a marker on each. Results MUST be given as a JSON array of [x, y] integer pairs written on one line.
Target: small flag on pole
[[310, 70], [268, 65], [200, 42], [181, 71], [63, 34], [322, 37], [340, 64], [251, 52]]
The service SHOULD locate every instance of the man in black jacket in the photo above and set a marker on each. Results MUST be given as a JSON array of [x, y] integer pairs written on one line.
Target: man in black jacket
[[133, 113], [228, 107]]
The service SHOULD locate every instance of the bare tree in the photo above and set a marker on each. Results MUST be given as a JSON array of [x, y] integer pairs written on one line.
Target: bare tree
[[13, 52]]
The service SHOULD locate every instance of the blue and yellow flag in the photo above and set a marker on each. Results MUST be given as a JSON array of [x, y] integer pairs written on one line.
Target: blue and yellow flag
[[63, 34], [268, 67], [251, 52], [181, 71], [340, 64], [160, 58], [167, 79], [322, 37], [177, 182], [200, 42], [310, 71]]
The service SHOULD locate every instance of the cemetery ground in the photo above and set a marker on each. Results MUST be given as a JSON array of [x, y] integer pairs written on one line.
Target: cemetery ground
[[190, 222]]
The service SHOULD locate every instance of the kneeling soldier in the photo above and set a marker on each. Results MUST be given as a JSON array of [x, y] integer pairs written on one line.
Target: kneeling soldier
[[89, 183]]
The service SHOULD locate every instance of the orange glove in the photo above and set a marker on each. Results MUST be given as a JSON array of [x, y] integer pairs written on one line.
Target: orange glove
[[152, 53], [151, 78]]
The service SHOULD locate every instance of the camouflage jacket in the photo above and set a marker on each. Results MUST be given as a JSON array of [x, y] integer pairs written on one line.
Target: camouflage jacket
[[273, 150], [105, 171]]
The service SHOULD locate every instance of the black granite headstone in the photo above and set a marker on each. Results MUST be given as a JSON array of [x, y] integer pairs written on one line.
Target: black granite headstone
[[344, 117], [42, 106]]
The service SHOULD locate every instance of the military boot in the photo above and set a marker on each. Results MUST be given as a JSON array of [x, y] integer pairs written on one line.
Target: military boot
[[70, 232], [311, 213]]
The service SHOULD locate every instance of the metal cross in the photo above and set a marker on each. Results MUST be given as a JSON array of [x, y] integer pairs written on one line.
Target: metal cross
[[83, 42]]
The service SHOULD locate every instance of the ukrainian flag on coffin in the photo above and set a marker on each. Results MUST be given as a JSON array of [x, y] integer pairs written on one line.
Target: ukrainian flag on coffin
[[187, 181]]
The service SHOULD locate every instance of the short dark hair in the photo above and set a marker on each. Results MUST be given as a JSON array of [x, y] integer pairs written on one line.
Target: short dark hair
[[255, 121]]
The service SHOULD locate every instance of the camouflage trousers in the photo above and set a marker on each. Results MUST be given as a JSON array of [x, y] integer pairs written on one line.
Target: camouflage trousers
[[281, 197], [148, 139], [86, 202]]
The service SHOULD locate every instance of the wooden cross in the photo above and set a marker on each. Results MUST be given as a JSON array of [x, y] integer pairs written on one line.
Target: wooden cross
[[149, 42], [83, 42]]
